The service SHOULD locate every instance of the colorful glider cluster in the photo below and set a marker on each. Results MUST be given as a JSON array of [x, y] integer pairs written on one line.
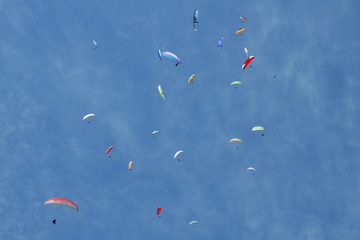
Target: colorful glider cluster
[[171, 56]]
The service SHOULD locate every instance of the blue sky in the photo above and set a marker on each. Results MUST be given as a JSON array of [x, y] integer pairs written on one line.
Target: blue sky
[[307, 182]]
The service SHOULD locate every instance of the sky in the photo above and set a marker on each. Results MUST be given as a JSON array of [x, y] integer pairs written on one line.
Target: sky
[[307, 184]]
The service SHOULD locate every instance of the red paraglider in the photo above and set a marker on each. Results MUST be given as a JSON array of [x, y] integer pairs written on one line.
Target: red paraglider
[[247, 61], [158, 211], [109, 149]]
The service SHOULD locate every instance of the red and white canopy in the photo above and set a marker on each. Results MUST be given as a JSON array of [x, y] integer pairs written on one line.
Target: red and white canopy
[[62, 201]]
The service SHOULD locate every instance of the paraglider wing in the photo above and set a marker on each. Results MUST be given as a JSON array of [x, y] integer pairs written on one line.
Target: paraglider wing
[[247, 61], [130, 165], [251, 169], [95, 44], [159, 54], [158, 210], [196, 19], [235, 140], [177, 153], [109, 149], [192, 222], [219, 44], [155, 132], [172, 57], [244, 19], [258, 128], [240, 30], [246, 51], [62, 201], [236, 82], [88, 115], [161, 92], [191, 78]]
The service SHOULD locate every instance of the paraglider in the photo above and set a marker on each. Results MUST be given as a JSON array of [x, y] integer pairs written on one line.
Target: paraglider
[[130, 165], [236, 83], [109, 149], [154, 132], [62, 201], [191, 78], [161, 92], [196, 20], [240, 30], [251, 169], [247, 61], [158, 211], [258, 128], [88, 116], [244, 19], [236, 140], [192, 222], [172, 57], [246, 51], [219, 44], [159, 54], [95, 44], [177, 153]]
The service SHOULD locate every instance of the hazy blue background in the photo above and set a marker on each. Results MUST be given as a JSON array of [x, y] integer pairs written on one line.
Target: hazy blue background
[[307, 184]]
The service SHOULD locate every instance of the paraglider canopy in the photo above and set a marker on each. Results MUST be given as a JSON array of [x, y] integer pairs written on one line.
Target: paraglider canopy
[[251, 169], [240, 30], [62, 201], [192, 222], [258, 128], [158, 210], [236, 82], [244, 19], [130, 164], [161, 92], [172, 57], [95, 44], [219, 44], [154, 132], [191, 78], [177, 153], [235, 140], [196, 19], [88, 115], [159, 54], [247, 61], [109, 149]]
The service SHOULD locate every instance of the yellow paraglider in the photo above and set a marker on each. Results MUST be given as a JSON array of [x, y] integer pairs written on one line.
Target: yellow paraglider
[[235, 140], [191, 78], [246, 51], [236, 82], [161, 92]]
